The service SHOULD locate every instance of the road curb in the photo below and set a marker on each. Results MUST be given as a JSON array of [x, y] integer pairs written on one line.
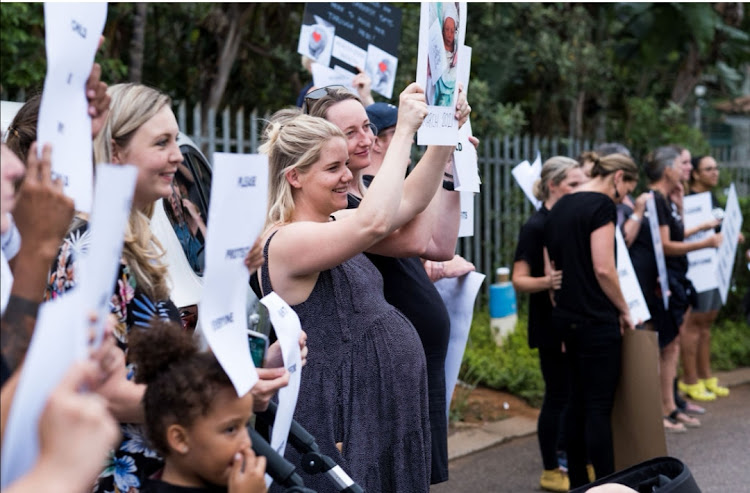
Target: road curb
[[474, 439]]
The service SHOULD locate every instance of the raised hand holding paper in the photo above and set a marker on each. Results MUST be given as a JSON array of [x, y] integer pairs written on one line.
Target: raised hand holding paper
[[72, 32], [240, 184], [442, 28], [287, 326], [58, 341]]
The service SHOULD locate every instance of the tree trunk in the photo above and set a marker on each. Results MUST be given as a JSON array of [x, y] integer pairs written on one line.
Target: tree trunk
[[688, 76], [228, 53], [137, 43]]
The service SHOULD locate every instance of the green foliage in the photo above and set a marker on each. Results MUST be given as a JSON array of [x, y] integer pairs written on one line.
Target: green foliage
[[730, 344], [22, 46], [649, 125], [513, 366]]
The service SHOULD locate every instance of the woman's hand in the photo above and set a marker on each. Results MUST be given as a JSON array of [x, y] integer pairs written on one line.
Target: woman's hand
[[254, 258], [412, 108], [554, 278], [463, 110], [270, 380]]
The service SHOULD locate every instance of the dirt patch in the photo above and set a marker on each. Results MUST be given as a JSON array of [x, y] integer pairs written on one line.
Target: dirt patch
[[481, 405]]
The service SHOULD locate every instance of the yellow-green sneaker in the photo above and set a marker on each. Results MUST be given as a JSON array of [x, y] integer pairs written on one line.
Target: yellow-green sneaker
[[712, 385], [696, 391], [554, 480], [590, 472]]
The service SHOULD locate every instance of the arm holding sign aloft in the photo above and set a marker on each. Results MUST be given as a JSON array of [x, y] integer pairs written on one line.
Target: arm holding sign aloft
[[433, 232], [605, 270], [42, 214]]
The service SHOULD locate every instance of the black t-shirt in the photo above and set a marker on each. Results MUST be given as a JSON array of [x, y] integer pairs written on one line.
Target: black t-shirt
[[675, 263], [567, 235], [530, 249], [159, 486]]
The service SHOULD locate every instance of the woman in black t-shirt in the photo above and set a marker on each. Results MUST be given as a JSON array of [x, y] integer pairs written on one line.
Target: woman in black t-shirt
[[560, 176], [664, 170], [590, 310]]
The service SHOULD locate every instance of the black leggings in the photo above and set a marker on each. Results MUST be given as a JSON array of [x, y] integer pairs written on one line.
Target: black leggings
[[594, 363], [556, 390]]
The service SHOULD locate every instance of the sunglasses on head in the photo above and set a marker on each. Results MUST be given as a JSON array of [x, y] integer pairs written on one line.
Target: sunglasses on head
[[317, 94]]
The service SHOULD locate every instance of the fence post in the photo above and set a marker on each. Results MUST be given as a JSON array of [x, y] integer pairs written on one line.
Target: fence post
[[240, 124], [226, 130]]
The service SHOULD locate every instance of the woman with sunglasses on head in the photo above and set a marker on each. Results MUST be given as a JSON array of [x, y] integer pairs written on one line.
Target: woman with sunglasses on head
[[431, 235], [363, 393]]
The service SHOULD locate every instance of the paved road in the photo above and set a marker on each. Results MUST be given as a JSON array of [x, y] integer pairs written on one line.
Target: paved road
[[718, 454]]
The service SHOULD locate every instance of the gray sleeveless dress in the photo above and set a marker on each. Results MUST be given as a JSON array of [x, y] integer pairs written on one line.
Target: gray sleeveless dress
[[365, 382]]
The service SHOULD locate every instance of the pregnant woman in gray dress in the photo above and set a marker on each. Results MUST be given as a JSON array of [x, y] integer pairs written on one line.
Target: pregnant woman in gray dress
[[363, 393]]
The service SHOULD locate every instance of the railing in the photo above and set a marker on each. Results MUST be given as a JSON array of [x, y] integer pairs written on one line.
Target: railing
[[501, 208]]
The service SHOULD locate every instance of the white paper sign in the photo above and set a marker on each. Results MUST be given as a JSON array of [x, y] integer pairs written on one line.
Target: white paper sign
[[661, 266], [6, 282], [701, 263], [526, 175], [349, 53], [629, 285], [316, 42], [438, 69], [459, 294], [730, 229], [381, 67], [287, 326], [113, 199], [72, 32], [54, 347], [238, 202], [466, 225], [465, 169], [324, 76]]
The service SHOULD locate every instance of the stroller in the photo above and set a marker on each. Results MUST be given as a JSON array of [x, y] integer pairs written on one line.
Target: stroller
[[659, 475]]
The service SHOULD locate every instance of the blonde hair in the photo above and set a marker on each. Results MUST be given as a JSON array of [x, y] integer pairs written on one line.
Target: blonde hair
[[292, 141], [605, 166], [133, 105], [555, 170]]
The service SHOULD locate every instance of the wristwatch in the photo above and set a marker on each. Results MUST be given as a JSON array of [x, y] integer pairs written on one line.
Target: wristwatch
[[449, 185], [635, 217]]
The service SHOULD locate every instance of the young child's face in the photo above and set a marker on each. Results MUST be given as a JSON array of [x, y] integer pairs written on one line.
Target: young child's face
[[216, 437]]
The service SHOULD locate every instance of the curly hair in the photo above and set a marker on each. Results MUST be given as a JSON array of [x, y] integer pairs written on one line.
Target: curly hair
[[182, 382]]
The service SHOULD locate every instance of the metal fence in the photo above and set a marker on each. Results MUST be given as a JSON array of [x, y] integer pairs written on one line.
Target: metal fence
[[501, 208]]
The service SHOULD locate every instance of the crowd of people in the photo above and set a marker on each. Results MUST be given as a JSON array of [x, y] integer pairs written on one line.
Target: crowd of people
[[566, 260], [353, 243], [356, 246]]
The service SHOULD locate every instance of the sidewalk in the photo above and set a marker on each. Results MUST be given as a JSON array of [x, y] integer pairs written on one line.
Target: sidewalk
[[473, 439]]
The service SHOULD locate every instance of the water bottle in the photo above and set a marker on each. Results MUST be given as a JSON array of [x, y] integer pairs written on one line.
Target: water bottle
[[503, 316]]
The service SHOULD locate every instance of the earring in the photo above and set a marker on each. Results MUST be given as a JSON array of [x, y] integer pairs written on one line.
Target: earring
[[617, 192]]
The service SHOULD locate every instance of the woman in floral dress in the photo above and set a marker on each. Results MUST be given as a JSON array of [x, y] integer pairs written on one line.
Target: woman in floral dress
[[141, 129]]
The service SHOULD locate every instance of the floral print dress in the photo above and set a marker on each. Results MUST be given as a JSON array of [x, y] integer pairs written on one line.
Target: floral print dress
[[133, 461]]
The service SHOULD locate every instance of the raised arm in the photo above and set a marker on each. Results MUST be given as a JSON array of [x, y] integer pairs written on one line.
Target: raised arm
[[433, 232]]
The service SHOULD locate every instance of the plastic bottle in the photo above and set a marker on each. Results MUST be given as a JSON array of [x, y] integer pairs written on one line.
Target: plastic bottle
[[503, 313]]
